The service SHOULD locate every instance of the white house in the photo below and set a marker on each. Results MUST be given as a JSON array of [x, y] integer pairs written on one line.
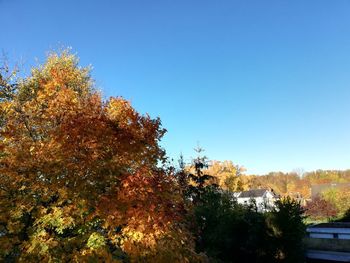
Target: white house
[[263, 198]]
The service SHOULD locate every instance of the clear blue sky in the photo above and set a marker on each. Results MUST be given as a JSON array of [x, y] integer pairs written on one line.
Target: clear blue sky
[[265, 84]]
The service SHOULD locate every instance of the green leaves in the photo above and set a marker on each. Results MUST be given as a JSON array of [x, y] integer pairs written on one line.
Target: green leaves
[[58, 220], [96, 241]]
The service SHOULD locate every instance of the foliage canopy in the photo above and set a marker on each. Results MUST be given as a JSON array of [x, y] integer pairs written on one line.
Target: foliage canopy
[[79, 176]]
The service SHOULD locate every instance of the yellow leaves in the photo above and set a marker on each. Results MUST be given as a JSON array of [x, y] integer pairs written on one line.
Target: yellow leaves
[[6, 107], [31, 149], [39, 243], [170, 246], [121, 112], [18, 211], [132, 235], [96, 241], [58, 220], [62, 70], [339, 198], [14, 226]]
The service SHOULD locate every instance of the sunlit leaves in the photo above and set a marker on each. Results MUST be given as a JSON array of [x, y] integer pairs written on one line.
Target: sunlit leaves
[[95, 241]]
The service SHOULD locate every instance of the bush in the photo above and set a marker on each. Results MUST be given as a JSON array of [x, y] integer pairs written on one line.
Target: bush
[[346, 217], [229, 232], [286, 220]]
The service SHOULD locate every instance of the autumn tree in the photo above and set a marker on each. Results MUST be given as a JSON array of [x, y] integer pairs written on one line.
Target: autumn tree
[[81, 178], [228, 175], [338, 198], [320, 209]]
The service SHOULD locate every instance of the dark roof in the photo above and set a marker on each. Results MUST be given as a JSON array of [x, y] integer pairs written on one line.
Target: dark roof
[[253, 193]]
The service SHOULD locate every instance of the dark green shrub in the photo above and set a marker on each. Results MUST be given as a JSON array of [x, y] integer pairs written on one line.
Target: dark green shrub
[[346, 217], [229, 232], [286, 220]]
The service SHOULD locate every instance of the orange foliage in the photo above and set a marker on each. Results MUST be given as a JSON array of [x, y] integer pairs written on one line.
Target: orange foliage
[[73, 169]]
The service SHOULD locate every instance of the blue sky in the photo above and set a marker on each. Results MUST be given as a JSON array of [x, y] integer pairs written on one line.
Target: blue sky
[[265, 84]]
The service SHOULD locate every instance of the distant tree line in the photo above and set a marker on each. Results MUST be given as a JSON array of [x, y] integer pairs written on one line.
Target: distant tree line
[[330, 204], [296, 184]]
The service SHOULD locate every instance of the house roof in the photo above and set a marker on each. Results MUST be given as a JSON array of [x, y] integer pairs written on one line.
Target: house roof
[[252, 193]]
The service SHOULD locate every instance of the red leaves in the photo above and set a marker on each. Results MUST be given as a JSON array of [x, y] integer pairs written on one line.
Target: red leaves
[[319, 208]]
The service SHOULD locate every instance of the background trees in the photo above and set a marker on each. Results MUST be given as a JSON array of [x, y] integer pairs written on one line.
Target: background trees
[[232, 177], [228, 175], [338, 198], [229, 232]]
